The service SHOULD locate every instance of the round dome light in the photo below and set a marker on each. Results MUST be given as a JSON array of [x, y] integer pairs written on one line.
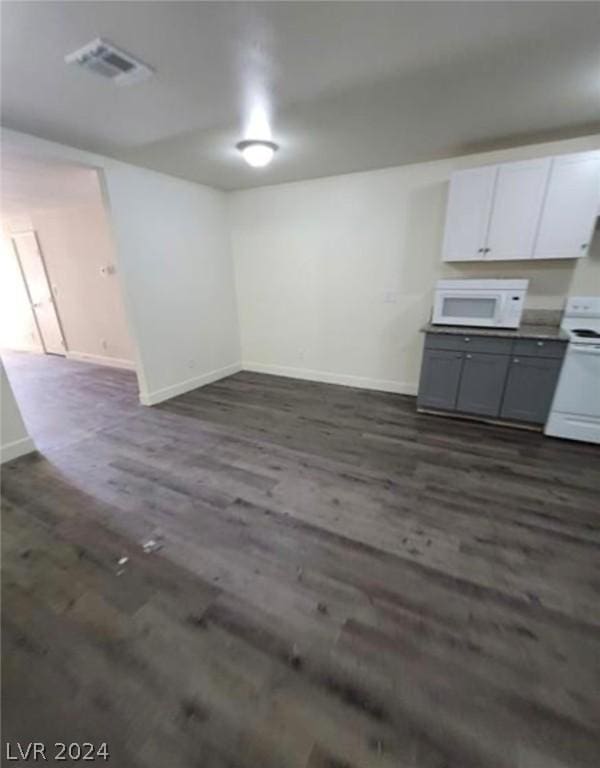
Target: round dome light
[[257, 153]]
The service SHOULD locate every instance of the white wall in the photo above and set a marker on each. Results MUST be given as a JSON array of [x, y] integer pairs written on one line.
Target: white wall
[[17, 326], [14, 440], [335, 276], [75, 238], [173, 253], [76, 243]]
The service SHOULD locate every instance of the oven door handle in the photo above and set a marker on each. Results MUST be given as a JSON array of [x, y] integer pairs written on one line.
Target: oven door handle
[[585, 350]]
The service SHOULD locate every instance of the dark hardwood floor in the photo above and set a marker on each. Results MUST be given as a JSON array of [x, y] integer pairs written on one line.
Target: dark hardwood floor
[[342, 583]]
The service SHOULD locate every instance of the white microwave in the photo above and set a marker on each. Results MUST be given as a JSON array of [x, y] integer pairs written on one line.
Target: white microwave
[[487, 303]]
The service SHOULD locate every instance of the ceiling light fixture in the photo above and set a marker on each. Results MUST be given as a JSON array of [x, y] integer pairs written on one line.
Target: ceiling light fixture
[[257, 152]]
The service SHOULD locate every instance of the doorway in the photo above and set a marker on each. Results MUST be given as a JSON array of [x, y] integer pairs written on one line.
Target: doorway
[[60, 289], [37, 286], [64, 334]]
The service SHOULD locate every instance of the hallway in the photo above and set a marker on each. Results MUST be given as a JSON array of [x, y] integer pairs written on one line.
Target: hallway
[[62, 400]]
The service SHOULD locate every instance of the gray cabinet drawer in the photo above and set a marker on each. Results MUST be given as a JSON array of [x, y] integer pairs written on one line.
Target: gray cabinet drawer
[[529, 388], [440, 376], [468, 343], [539, 348], [482, 384]]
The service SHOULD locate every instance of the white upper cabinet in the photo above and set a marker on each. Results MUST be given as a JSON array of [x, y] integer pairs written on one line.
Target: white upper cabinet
[[516, 211], [542, 209], [468, 216], [571, 207]]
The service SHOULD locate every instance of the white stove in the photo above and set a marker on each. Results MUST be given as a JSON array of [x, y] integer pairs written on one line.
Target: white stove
[[575, 410]]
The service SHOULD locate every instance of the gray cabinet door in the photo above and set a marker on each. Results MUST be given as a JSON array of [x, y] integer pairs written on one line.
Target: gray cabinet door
[[530, 388], [440, 375], [482, 384]]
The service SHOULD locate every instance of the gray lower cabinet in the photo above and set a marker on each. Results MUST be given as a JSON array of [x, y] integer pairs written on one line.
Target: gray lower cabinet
[[482, 384], [530, 388], [493, 377], [440, 376]]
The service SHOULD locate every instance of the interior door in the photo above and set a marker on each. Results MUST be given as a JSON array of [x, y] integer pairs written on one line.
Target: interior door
[[39, 291], [468, 214], [570, 208], [517, 208]]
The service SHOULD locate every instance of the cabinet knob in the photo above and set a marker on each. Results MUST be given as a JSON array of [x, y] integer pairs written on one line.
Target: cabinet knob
[[467, 338], [516, 360], [584, 246], [487, 250], [540, 343], [469, 357], [481, 250]]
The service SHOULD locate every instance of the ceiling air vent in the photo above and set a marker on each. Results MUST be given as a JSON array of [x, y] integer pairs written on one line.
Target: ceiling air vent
[[106, 60]]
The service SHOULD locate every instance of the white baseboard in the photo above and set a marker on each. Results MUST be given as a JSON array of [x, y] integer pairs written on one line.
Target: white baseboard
[[327, 377], [15, 449], [158, 396], [112, 362], [362, 382]]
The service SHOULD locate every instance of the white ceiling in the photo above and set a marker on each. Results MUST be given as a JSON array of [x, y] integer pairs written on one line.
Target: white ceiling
[[350, 85]]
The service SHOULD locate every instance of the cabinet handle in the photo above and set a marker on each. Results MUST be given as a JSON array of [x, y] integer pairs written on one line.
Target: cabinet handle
[[467, 338], [540, 343], [487, 250], [516, 360], [481, 250], [469, 357]]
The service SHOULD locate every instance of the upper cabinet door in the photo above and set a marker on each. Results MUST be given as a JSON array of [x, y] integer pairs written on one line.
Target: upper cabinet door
[[468, 214], [570, 208], [517, 207]]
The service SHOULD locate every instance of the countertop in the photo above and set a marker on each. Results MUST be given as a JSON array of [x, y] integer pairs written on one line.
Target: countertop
[[525, 331]]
